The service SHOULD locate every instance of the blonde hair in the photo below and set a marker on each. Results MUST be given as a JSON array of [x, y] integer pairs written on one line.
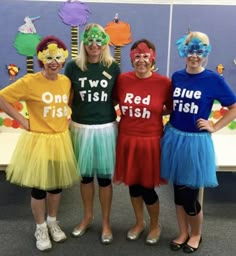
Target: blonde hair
[[106, 58], [196, 34]]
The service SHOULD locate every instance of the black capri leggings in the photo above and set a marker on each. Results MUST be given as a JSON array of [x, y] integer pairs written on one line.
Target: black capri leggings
[[41, 194], [188, 198], [149, 195], [102, 182]]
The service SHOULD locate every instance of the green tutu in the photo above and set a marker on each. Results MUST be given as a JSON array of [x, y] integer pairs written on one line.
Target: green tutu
[[94, 147]]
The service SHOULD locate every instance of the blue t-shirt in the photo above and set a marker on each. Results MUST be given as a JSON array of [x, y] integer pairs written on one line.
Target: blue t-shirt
[[194, 95]]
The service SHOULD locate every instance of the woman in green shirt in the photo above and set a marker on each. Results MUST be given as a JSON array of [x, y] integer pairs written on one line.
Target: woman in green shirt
[[93, 75]]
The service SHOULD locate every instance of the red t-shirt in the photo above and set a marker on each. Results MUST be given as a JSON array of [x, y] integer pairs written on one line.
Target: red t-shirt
[[141, 103], [138, 145]]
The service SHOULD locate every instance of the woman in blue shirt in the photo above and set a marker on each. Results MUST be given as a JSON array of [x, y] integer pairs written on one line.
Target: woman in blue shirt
[[188, 158]]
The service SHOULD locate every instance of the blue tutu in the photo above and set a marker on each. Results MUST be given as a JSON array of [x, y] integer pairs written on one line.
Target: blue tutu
[[188, 158], [94, 147]]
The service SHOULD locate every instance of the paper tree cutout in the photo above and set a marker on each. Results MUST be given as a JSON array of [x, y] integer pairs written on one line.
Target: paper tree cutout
[[74, 14], [26, 41], [120, 35]]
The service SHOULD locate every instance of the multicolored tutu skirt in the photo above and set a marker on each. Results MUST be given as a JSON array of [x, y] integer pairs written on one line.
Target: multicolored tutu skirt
[[43, 161], [94, 147], [188, 158], [138, 161]]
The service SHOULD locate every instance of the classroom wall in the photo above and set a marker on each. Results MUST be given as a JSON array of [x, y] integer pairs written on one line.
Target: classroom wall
[[163, 22]]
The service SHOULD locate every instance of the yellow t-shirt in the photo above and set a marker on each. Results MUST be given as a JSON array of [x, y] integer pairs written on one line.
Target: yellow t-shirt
[[46, 101]]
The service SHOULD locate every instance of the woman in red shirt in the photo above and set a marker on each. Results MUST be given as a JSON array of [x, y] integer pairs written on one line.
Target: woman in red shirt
[[143, 97]]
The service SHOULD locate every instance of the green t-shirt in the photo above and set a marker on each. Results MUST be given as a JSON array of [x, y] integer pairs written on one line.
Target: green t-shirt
[[92, 102]]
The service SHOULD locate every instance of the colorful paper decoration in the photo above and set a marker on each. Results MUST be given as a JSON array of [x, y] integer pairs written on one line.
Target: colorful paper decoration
[[217, 112], [120, 35], [28, 27], [220, 69], [26, 41], [13, 70], [74, 14], [7, 122]]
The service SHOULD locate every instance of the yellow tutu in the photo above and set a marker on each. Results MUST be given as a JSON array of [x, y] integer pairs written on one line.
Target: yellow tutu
[[44, 161]]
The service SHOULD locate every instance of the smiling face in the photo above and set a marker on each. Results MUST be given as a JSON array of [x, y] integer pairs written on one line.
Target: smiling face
[[93, 52], [52, 69], [94, 40], [194, 63], [195, 53], [53, 59], [142, 68], [142, 58]]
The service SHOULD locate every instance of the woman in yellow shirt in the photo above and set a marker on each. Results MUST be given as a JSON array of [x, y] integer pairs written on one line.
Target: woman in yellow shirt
[[43, 159]]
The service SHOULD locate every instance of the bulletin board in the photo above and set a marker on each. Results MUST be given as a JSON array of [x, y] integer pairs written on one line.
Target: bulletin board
[[149, 21], [163, 24]]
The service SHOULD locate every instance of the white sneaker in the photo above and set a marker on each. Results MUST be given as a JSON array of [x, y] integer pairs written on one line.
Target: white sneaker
[[55, 232], [43, 242]]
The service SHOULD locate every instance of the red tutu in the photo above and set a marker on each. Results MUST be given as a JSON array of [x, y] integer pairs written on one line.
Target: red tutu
[[138, 161]]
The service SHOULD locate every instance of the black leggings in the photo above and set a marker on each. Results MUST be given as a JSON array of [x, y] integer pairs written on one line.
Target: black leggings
[[102, 182], [188, 198], [41, 194], [149, 195]]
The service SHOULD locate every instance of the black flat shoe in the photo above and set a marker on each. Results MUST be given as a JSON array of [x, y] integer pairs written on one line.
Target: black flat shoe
[[189, 249], [176, 246]]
